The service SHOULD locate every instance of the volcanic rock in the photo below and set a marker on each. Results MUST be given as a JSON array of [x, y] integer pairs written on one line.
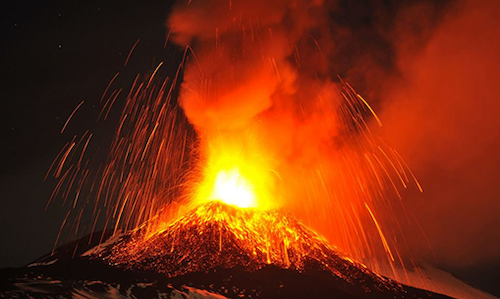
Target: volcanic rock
[[214, 251]]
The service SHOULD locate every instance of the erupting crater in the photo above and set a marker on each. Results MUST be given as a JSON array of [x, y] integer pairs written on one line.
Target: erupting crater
[[217, 235]]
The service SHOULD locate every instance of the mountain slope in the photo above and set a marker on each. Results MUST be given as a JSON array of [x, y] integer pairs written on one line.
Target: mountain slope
[[214, 251]]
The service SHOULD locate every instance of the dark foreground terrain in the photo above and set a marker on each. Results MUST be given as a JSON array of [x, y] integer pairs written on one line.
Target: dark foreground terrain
[[69, 273], [82, 278]]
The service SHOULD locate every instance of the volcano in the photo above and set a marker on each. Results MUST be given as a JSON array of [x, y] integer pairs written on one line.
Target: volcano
[[218, 235], [214, 251]]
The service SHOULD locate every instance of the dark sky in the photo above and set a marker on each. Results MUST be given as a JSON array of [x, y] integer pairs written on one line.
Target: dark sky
[[55, 55]]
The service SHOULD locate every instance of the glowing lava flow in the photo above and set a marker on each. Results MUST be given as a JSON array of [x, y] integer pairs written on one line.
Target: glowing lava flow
[[216, 235]]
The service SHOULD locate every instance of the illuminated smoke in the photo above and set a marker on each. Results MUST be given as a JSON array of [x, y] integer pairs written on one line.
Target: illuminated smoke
[[259, 87], [442, 114]]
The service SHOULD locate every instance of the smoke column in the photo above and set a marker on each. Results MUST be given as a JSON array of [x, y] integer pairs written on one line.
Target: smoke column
[[260, 83], [268, 70]]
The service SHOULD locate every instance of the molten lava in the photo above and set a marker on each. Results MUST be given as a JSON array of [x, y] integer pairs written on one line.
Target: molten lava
[[235, 172], [232, 188]]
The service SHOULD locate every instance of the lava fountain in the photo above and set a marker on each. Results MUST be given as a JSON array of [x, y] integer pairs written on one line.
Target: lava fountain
[[260, 124], [236, 174]]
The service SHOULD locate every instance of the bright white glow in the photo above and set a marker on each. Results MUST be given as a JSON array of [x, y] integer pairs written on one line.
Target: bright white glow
[[232, 188]]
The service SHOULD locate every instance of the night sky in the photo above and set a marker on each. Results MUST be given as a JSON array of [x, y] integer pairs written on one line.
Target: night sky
[[56, 54]]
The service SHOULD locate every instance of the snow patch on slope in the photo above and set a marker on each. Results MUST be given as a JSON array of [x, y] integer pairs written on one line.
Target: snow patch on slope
[[102, 246]]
